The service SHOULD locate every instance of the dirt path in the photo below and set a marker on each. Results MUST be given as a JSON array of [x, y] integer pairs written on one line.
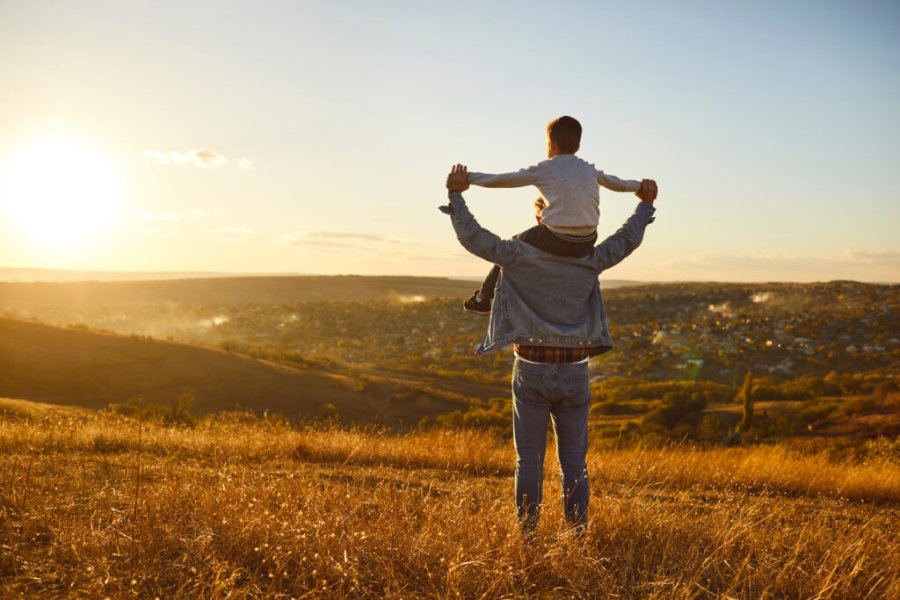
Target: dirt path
[[757, 406], [464, 388]]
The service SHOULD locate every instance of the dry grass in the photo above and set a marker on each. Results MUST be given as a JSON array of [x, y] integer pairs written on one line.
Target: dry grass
[[237, 508]]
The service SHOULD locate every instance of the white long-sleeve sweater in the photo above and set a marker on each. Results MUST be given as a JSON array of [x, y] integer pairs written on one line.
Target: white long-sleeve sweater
[[569, 186]]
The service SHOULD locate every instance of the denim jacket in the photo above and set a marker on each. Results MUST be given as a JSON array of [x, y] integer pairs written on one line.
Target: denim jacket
[[542, 299]]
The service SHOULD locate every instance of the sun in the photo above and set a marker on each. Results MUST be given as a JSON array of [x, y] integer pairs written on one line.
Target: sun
[[59, 192]]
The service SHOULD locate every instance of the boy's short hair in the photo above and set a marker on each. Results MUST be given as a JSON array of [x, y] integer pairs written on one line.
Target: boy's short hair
[[565, 132]]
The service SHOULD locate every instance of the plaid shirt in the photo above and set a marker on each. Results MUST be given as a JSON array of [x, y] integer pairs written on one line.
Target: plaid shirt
[[551, 354]]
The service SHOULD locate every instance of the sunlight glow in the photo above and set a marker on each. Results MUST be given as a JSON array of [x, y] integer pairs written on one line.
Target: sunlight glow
[[59, 192]]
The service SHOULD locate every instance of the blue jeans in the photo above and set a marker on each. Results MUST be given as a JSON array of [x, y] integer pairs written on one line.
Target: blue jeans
[[561, 394]]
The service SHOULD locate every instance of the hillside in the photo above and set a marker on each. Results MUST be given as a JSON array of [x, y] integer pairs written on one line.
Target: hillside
[[71, 366], [824, 357], [226, 290], [204, 288], [666, 331]]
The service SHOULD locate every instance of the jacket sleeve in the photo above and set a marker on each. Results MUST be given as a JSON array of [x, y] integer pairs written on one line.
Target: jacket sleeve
[[619, 245], [520, 178], [475, 238]]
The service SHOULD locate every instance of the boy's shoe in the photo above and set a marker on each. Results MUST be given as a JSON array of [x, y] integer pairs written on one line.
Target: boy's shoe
[[474, 305]]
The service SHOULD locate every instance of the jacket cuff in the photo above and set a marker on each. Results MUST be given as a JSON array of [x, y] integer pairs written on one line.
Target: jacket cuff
[[454, 199], [643, 207]]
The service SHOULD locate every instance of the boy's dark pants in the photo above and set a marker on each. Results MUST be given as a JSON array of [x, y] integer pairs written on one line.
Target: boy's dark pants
[[542, 238]]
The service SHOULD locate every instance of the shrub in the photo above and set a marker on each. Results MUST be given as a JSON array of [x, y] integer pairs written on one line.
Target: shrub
[[677, 408], [711, 428], [803, 388], [176, 413], [619, 408], [812, 412], [620, 389], [329, 412], [478, 418]]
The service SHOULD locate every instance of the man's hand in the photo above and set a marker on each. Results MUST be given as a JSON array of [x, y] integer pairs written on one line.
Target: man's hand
[[458, 179], [648, 191]]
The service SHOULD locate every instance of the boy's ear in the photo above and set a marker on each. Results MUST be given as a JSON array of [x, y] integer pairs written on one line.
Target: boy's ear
[[552, 148]]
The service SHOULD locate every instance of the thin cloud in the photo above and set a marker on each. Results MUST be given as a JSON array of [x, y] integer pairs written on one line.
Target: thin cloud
[[444, 257], [238, 234], [335, 239], [202, 158], [349, 235], [190, 215], [166, 218], [871, 265], [156, 233], [201, 214], [880, 257], [889, 258]]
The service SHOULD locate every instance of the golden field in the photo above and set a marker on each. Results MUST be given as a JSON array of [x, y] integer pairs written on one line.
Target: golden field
[[96, 504]]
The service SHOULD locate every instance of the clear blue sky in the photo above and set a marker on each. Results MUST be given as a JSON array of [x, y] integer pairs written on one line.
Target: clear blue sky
[[772, 129]]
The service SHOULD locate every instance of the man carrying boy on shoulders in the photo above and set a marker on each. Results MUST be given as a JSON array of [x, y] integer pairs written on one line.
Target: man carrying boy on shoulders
[[550, 308]]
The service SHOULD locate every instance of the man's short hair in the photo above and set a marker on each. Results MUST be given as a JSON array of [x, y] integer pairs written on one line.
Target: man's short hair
[[565, 132]]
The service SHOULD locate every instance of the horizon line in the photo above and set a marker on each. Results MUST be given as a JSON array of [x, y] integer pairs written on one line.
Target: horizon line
[[202, 274]]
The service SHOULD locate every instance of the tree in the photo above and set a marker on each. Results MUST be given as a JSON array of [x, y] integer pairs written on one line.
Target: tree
[[745, 395]]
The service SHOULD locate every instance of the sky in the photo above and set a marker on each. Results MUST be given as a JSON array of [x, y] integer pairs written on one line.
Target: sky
[[315, 137]]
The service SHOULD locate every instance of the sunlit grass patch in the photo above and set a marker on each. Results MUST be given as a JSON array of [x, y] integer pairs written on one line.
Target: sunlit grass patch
[[249, 508]]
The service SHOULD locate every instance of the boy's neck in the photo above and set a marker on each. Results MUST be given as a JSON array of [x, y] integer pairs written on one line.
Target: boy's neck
[[553, 150]]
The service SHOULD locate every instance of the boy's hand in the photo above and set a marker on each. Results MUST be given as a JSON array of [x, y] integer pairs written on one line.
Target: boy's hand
[[458, 179], [647, 192]]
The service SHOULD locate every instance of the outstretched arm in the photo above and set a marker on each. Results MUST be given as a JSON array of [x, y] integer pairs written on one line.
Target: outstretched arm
[[519, 178], [475, 238], [611, 182], [619, 245]]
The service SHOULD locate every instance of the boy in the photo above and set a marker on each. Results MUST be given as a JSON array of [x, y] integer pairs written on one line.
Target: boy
[[567, 223]]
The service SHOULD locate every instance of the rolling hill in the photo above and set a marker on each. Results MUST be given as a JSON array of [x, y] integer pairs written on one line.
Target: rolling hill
[[90, 369], [207, 289], [229, 290]]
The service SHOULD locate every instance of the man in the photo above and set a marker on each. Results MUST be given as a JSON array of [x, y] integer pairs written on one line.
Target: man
[[550, 308]]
